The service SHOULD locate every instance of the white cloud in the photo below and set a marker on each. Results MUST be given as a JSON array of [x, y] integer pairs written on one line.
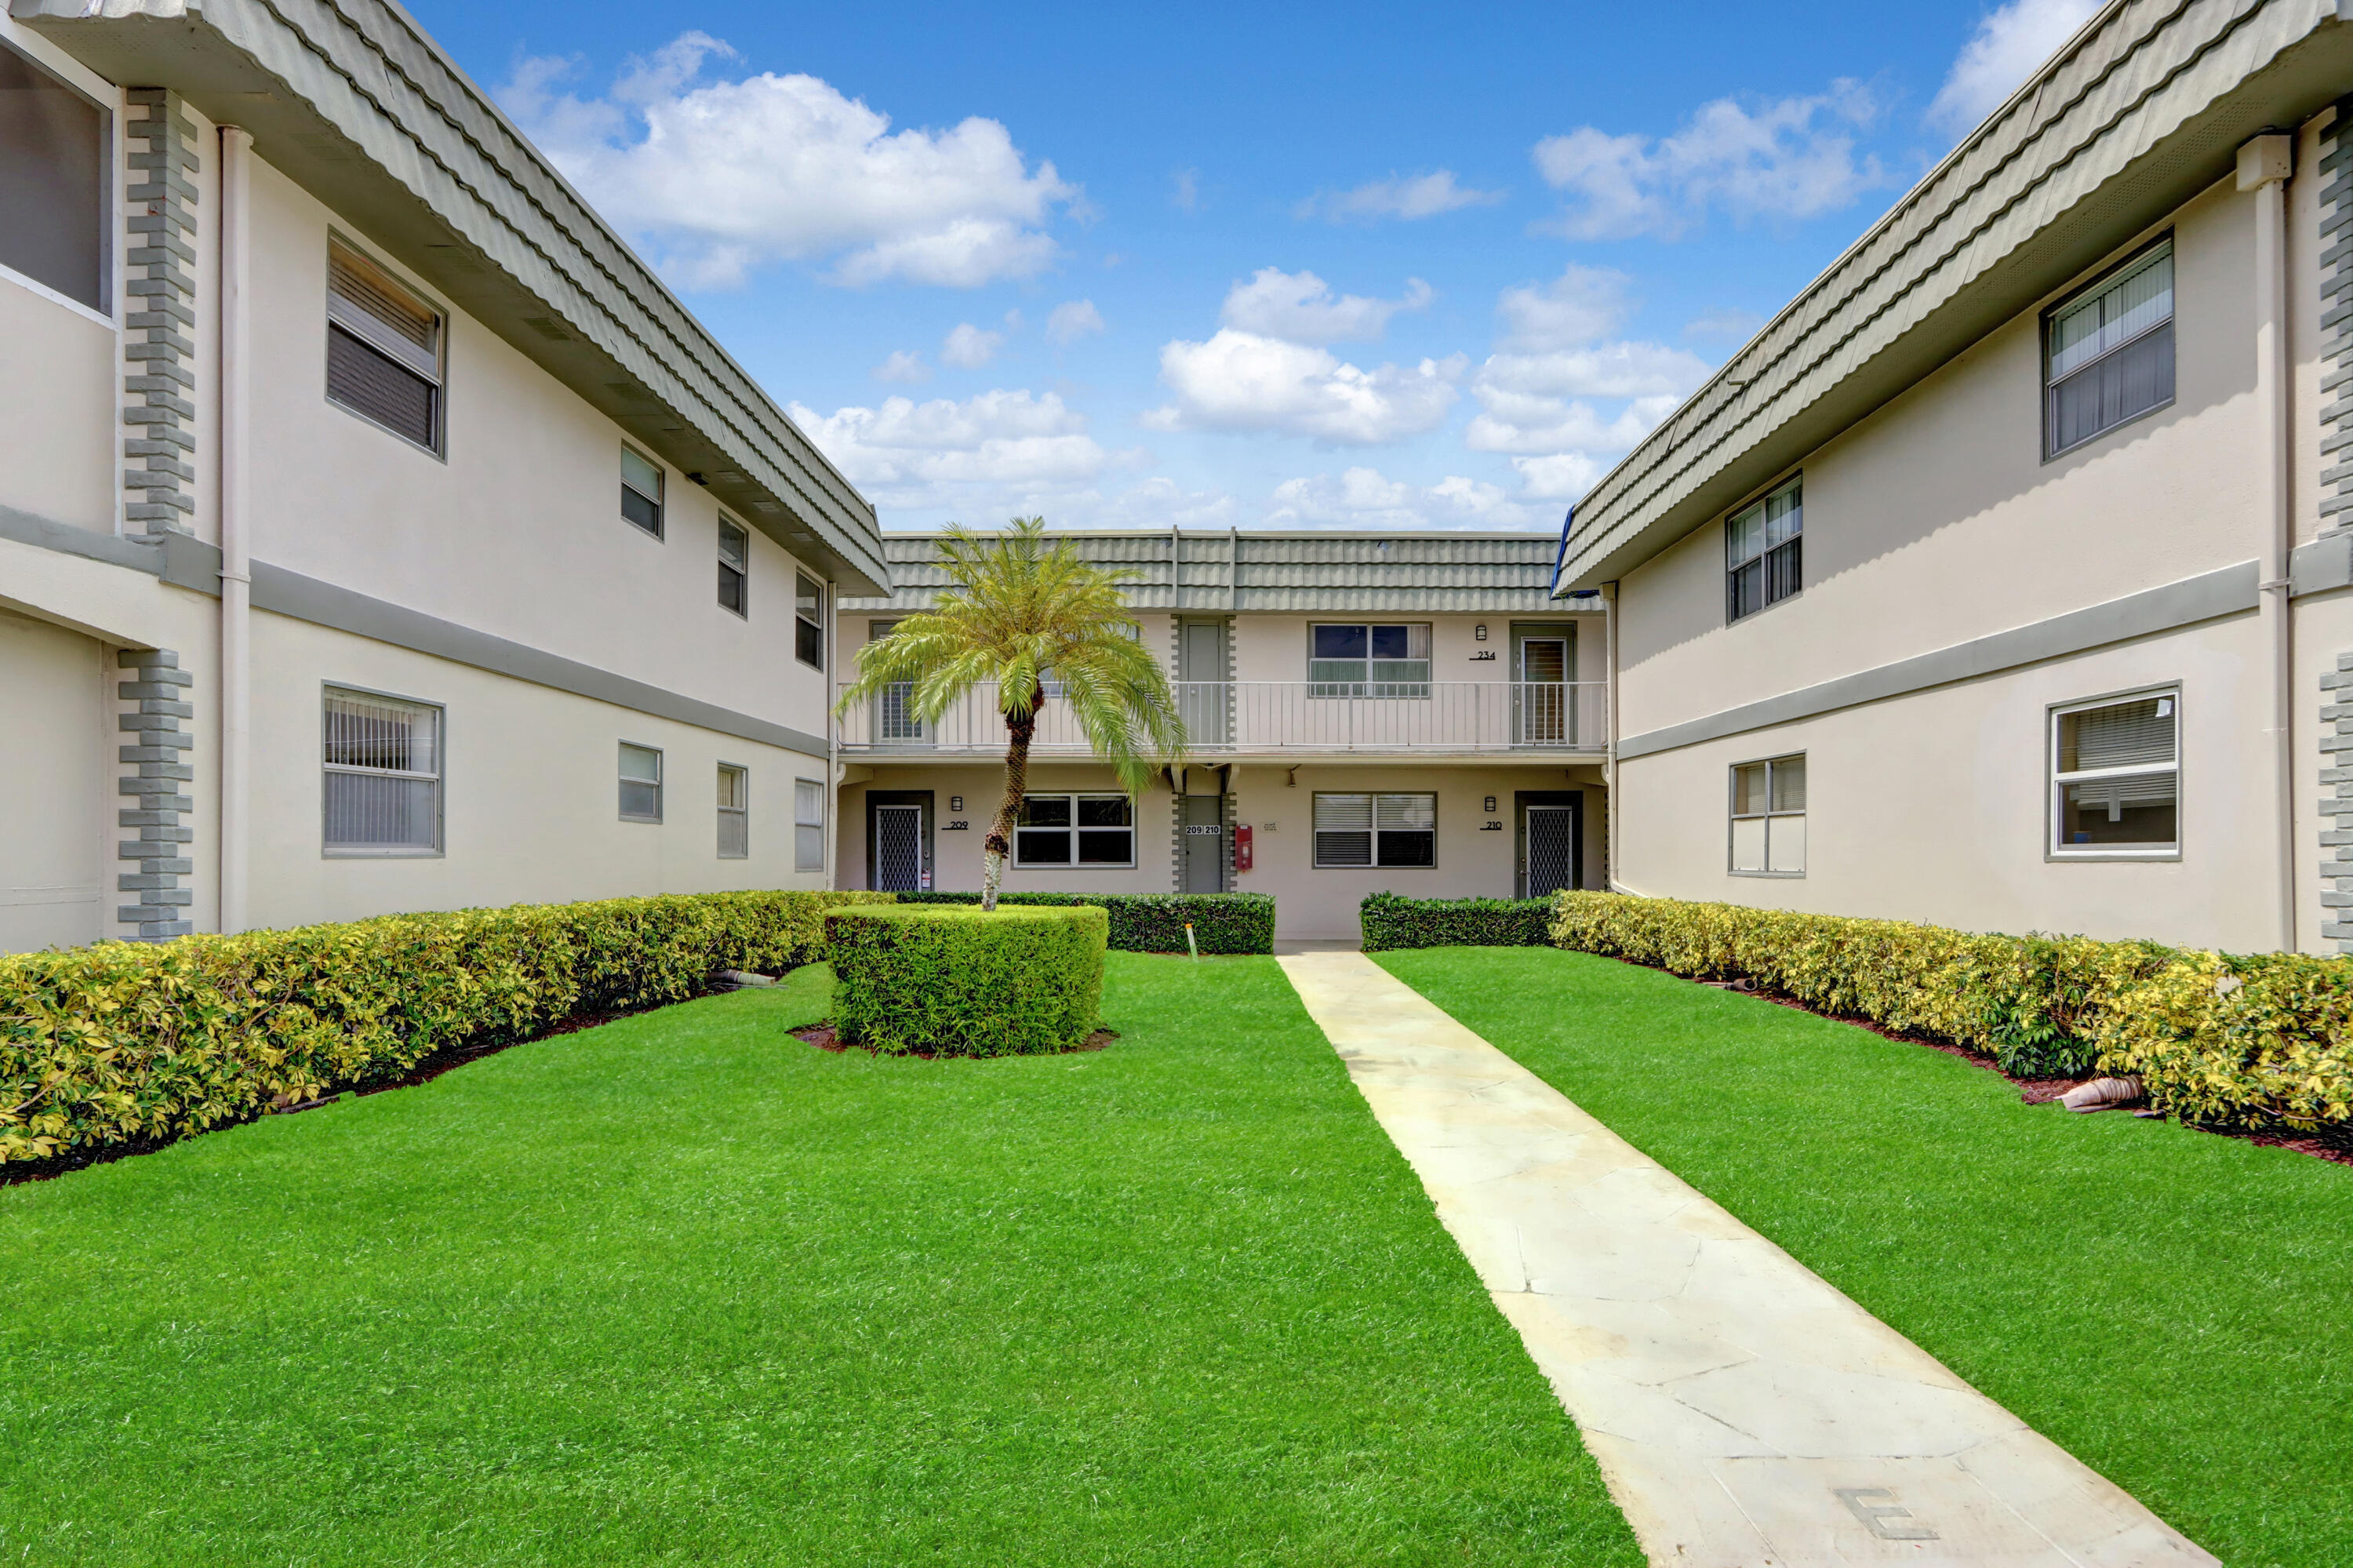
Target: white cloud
[[1300, 307], [721, 177], [1788, 158], [1185, 190], [1535, 426], [1157, 501], [1581, 304], [1599, 370], [906, 367], [2010, 44], [1731, 324], [915, 453], [1365, 498], [1245, 381], [1421, 195], [1558, 476], [1073, 320], [968, 348]]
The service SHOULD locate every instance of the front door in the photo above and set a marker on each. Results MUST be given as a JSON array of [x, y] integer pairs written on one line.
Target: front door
[[1202, 678], [1544, 691], [1550, 835], [1204, 843], [899, 850]]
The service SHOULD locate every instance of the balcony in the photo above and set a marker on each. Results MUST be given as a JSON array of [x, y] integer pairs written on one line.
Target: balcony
[[1280, 718]]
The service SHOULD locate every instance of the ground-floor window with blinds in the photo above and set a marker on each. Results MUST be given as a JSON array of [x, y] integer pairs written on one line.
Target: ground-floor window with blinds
[[1376, 830], [1769, 816], [808, 825], [734, 811], [2116, 777], [383, 784], [1075, 830]]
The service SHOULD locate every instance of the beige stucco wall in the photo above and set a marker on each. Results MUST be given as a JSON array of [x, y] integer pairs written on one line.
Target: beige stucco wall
[[519, 532], [1938, 521], [56, 868], [957, 853], [532, 792]]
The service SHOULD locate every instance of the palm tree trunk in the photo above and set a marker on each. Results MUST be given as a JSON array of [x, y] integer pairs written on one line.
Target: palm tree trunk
[[1000, 842]]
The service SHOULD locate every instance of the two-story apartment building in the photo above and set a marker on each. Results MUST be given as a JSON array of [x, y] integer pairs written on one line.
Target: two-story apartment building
[[376, 532], [2002, 579], [1410, 712]]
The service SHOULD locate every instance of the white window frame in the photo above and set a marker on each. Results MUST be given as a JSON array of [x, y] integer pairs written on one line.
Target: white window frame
[[1373, 849], [2142, 257], [439, 776], [659, 500], [625, 781], [103, 96], [433, 367], [2055, 794], [741, 566], [1733, 816], [808, 788], [1735, 524], [1075, 828], [741, 814], [1369, 686], [815, 623]]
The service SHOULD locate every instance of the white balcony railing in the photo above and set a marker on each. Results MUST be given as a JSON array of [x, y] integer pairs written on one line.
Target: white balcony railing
[[1281, 716]]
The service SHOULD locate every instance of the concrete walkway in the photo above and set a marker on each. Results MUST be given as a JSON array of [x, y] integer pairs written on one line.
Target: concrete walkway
[[1744, 1413]]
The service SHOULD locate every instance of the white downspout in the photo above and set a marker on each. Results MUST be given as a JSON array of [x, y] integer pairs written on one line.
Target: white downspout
[[1609, 875], [237, 592], [2265, 164]]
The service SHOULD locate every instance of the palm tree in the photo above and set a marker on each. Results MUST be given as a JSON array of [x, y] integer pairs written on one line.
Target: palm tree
[[1023, 611]]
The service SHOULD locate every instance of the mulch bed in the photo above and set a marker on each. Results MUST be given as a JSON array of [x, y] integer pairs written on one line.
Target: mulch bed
[[2336, 1146], [825, 1037]]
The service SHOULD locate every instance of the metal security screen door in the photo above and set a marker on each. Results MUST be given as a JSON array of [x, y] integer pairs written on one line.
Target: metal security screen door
[[1204, 843], [1202, 676], [899, 849], [1552, 850], [1544, 691]]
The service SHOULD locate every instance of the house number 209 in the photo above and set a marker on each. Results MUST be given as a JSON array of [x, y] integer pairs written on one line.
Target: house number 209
[[960, 825]]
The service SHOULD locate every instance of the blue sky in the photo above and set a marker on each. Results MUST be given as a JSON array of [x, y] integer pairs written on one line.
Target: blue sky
[[1302, 266]]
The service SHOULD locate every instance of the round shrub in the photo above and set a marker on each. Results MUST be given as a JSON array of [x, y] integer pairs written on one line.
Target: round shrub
[[950, 981]]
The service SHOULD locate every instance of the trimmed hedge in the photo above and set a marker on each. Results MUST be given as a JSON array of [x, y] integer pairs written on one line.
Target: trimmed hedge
[[1155, 921], [955, 981], [123, 1042], [1391, 920], [2258, 1041]]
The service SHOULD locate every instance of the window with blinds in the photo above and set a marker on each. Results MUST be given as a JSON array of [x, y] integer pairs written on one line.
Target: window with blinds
[[383, 350], [1368, 661], [808, 825], [382, 785], [1075, 831], [735, 567], [1764, 551], [53, 178], [2116, 777], [641, 783], [1769, 816], [808, 619], [641, 490], [1367, 831], [2109, 351], [734, 811]]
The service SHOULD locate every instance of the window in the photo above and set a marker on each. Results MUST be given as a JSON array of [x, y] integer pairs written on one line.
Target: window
[[641, 783], [2107, 353], [53, 174], [383, 758], [735, 556], [1075, 830], [1764, 552], [383, 350], [734, 809], [641, 494], [808, 825], [1376, 830], [808, 619], [1360, 661], [1768, 818], [2115, 776]]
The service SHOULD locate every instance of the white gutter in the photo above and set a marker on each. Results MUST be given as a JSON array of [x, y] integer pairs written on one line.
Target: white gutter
[[237, 583], [2264, 164]]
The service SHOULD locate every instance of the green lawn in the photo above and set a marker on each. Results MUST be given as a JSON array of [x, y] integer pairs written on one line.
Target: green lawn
[[683, 1289], [2174, 1308]]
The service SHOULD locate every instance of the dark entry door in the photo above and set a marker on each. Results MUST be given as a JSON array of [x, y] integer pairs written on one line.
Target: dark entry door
[[899, 849], [1204, 843], [1551, 838]]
